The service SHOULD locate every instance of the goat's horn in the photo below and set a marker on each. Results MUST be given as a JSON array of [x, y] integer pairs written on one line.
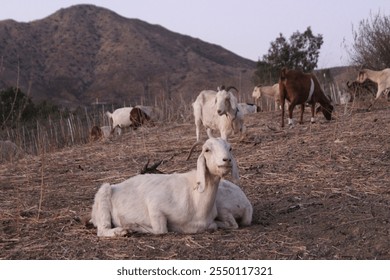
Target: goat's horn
[[231, 87], [221, 87], [192, 149], [156, 164]]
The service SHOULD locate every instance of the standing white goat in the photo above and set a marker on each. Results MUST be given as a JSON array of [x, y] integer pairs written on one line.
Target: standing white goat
[[158, 203], [382, 78], [120, 118], [269, 92], [218, 111], [232, 206]]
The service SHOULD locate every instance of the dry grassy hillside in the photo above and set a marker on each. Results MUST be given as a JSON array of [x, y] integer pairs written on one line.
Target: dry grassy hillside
[[319, 191]]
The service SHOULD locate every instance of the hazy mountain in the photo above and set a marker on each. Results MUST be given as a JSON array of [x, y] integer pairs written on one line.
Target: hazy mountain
[[84, 52]]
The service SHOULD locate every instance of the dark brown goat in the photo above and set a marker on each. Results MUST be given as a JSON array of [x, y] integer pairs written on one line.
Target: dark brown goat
[[96, 133], [138, 118], [300, 88], [367, 89]]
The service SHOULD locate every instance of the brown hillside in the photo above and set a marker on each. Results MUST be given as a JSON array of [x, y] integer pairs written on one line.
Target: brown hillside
[[319, 191], [85, 52]]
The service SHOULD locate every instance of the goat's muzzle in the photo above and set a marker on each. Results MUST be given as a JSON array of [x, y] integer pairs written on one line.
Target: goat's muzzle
[[225, 168]]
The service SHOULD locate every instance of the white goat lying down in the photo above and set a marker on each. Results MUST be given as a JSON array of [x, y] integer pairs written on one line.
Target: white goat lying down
[[248, 108], [232, 206], [158, 203], [218, 111]]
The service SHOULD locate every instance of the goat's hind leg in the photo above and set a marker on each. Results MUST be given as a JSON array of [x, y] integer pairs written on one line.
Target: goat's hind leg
[[290, 113], [158, 223], [378, 94], [226, 220], [302, 112], [111, 232], [101, 213], [312, 120]]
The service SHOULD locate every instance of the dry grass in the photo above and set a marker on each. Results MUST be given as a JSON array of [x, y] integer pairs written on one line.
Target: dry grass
[[319, 191]]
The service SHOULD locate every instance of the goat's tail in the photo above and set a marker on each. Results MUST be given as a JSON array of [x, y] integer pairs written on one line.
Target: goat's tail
[[108, 114], [101, 209]]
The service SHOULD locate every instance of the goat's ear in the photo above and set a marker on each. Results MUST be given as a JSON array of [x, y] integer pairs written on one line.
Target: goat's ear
[[201, 173], [233, 101], [221, 87], [235, 174]]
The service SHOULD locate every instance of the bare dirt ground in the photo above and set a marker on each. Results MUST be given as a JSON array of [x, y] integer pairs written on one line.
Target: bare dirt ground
[[319, 191]]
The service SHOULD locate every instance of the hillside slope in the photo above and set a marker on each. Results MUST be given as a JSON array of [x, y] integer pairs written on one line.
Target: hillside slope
[[83, 53], [319, 191]]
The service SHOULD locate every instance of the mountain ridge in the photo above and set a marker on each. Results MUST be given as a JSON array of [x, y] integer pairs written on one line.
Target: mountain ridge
[[113, 59]]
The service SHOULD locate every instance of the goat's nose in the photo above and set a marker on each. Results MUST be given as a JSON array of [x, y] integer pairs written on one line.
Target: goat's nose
[[219, 112]]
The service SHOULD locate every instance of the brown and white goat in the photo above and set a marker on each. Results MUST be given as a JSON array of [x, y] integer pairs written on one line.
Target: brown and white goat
[[300, 88], [381, 78], [138, 117], [96, 133]]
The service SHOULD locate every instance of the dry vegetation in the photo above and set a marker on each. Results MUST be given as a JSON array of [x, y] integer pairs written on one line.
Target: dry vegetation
[[319, 191]]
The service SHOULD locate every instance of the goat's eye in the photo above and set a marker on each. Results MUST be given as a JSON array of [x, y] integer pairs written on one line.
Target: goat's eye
[[207, 150], [230, 149]]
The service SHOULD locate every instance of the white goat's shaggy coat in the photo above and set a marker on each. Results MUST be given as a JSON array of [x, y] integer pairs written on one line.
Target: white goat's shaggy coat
[[218, 111], [158, 203], [232, 206]]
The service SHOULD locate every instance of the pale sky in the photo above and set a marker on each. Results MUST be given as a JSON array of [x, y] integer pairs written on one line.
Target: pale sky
[[245, 27]]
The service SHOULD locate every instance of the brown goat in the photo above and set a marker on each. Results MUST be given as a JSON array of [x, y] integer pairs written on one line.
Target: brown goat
[[138, 118], [300, 88], [96, 133]]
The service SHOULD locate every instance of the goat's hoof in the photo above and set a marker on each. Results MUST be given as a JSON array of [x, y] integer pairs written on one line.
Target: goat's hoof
[[120, 231]]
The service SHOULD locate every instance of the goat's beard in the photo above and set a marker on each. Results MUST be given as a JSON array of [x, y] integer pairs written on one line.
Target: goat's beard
[[224, 170]]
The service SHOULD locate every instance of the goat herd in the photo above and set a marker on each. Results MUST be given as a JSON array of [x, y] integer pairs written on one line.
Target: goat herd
[[201, 199]]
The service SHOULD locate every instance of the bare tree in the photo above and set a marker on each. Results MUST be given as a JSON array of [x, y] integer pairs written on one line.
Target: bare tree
[[371, 47]]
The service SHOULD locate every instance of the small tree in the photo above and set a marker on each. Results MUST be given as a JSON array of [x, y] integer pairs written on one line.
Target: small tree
[[300, 52], [371, 47], [15, 106]]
